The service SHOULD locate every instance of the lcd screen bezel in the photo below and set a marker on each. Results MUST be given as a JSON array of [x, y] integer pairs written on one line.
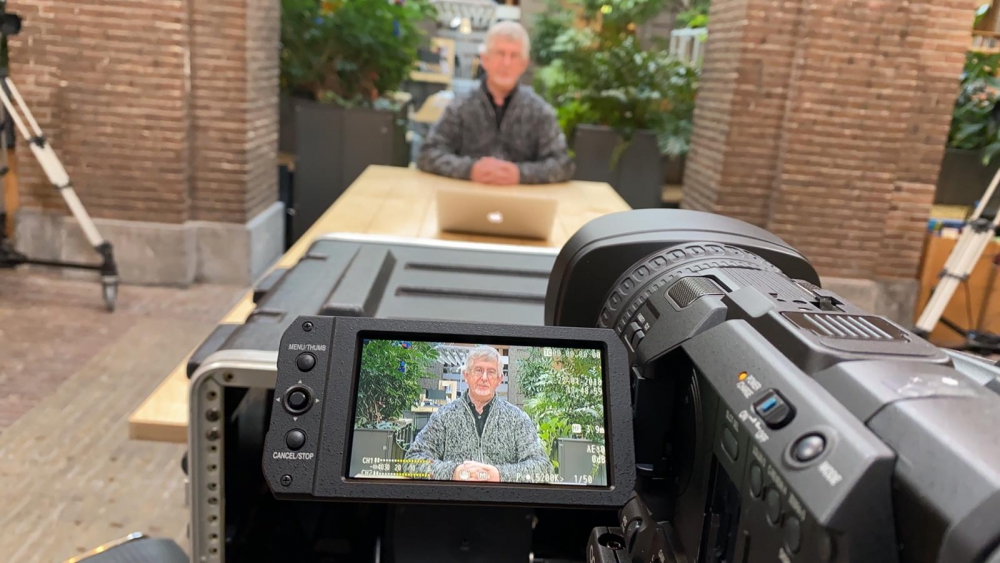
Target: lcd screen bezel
[[332, 480]]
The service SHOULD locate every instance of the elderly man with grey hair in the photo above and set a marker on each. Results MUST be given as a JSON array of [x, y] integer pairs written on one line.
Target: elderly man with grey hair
[[480, 436], [501, 133]]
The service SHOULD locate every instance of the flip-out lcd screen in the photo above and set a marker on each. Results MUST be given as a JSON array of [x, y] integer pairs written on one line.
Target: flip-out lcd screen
[[479, 413]]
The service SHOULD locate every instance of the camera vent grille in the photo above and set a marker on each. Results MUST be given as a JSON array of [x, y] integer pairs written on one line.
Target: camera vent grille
[[688, 290], [847, 327]]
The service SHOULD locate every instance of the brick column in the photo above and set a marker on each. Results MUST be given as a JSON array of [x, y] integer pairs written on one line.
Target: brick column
[[165, 115], [234, 67], [106, 83], [825, 123]]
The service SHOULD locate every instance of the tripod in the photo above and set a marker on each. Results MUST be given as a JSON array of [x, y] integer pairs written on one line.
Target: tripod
[[976, 235], [57, 176]]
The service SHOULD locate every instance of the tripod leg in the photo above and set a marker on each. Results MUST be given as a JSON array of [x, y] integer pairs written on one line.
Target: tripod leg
[[59, 178], [53, 168], [986, 197], [964, 258], [956, 261]]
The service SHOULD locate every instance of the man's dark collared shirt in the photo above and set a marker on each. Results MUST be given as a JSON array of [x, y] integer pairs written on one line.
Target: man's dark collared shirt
[[480, 418], [498, 110]]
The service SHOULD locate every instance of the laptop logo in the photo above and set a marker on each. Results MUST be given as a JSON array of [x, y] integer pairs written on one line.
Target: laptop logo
[[494, 217]]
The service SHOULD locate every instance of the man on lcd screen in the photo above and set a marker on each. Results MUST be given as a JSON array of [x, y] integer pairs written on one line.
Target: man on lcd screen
[[480, 436]]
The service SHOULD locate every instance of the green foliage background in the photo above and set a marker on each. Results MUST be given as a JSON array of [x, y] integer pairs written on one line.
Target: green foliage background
[[351, 52], [562, 390], [599, 73], [694, 14], [975, 123], [390, 379]]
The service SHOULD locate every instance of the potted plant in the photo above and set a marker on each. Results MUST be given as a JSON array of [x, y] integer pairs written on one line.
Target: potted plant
[[622, 105], [563, 392], [342, 62], [388, 386], [974, 138], [693, 14]]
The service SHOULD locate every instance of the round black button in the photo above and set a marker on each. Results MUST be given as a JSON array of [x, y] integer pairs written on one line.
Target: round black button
[[756, 480], [305, 361], [297, 400], [295, 439], [773, 501], [808, 448], [793, 534]]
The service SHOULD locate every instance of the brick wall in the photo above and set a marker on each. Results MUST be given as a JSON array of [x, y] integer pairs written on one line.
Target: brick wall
[[936, 41], [105, 80], [714, 111], [161, 110], [218, 76], [264, 32], [825, 123]]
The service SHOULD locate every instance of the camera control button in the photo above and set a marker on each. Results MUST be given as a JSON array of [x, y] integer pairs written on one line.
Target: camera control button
[[729, 444], [808, 448], [773, 501], [295, 439], [637, 339], [297, 400], [793, 533], [756, 480], [305, 361], [774, 410]]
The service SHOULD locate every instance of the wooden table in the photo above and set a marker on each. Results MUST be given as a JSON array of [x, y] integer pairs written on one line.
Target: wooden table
[[388, 201]]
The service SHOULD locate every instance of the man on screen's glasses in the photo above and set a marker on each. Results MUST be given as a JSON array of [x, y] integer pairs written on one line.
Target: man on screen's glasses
[[480, 436]]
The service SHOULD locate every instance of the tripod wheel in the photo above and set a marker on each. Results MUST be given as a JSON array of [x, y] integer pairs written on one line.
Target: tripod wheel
[[110, 292]]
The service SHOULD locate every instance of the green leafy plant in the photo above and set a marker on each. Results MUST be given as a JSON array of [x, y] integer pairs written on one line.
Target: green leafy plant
[[548, 26], [615, 16], [695, 15], [563, 390], [975, 123], [352, 52], [390, 380], [599, 73]]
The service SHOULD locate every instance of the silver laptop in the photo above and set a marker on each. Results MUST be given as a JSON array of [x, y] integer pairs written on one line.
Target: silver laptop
[[495, 211]]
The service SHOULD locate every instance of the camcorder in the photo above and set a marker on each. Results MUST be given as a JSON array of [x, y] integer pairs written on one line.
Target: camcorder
[[693, 396]]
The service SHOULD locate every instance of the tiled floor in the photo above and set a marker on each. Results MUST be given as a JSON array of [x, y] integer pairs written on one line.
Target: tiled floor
[[70, 374]]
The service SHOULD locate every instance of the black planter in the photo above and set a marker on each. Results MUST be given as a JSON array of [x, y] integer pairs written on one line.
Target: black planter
[[286, 124], [333, 146], [673, 169], [638, 176], [963, 178]]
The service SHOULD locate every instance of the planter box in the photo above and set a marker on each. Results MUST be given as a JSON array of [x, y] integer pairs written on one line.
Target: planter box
[[963, 178], [286, 124], [333, 146], [673, 169], [638, 178]]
